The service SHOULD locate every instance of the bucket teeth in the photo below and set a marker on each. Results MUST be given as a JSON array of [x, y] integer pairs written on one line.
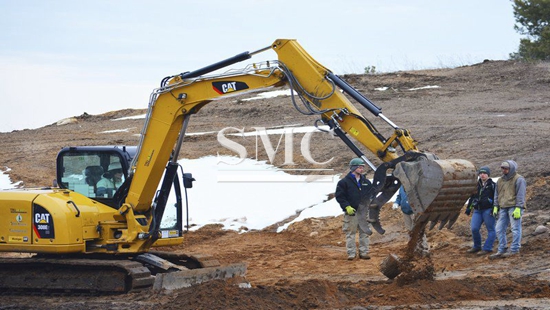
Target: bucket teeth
[[374, 219], [378, 227], [382, 195], [442, 224], [452, 220]]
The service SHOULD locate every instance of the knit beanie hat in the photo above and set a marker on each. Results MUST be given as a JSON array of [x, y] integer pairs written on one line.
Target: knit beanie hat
[[355, 163], [484, 169]]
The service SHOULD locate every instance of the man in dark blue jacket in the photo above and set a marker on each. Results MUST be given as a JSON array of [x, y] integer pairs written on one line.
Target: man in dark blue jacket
[[350, 191]]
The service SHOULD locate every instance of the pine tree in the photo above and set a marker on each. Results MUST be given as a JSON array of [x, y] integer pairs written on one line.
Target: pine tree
[[533, 17]]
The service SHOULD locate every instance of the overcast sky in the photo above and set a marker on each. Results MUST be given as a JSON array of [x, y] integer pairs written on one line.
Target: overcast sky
[[62, 58]]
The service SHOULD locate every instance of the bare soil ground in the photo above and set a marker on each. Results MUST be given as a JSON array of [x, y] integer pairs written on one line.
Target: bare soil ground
[[484, 113]]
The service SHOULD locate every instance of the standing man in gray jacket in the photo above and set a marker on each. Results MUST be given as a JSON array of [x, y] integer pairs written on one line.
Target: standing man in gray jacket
[[509, 206]]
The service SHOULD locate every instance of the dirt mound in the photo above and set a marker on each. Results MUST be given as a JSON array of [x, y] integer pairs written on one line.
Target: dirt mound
[[485, 113]]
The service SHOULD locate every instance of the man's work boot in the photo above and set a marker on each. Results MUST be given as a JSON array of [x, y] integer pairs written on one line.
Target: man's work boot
[[509, 254], [497, 255], [481, 253]]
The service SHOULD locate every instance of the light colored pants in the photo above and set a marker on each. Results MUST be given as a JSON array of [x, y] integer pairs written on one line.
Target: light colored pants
[[506, 217], [409, 224], [409, 221], [350, 228]]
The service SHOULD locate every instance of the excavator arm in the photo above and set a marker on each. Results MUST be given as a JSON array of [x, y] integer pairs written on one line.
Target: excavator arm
[[322, 94]]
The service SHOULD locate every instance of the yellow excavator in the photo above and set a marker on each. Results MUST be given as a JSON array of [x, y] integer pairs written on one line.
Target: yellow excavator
[[84, 237]]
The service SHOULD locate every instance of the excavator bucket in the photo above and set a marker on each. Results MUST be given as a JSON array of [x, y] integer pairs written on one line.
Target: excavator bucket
[[437, 189]]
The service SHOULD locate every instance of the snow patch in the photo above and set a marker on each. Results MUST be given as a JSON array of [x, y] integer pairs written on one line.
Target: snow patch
[[425, 87]]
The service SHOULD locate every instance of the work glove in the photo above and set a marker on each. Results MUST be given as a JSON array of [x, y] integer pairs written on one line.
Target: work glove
[[495, 211], [350, 210], [517, 213], [468, 211], [395, 206]]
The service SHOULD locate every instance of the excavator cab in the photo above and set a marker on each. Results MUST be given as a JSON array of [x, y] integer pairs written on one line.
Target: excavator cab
[[82, 169], [91, 171]]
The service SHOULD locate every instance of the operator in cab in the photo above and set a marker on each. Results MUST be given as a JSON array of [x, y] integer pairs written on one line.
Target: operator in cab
[[111, 181]]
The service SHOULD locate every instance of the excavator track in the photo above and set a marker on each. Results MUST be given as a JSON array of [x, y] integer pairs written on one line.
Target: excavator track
[[92, 276], [38, 275]]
